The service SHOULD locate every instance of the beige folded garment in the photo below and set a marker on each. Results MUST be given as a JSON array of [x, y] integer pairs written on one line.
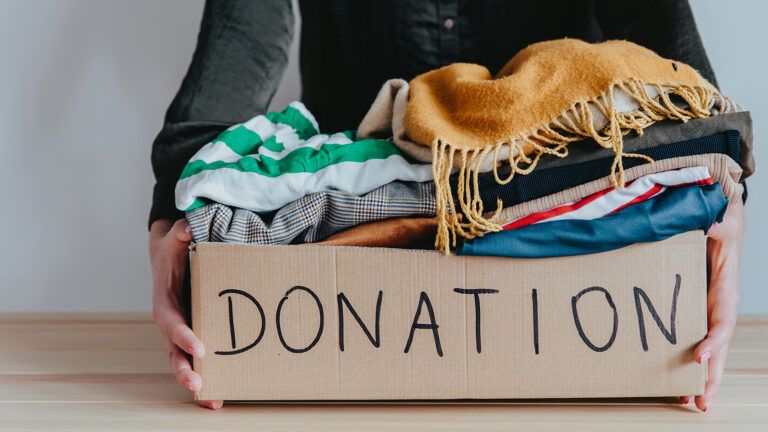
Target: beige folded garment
[[721, 167]]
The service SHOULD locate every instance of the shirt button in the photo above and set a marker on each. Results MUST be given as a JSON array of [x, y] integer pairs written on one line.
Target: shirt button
[[448, 24]]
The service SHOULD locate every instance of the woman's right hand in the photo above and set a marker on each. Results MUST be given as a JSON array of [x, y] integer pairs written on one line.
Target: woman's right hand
[[168, 247]]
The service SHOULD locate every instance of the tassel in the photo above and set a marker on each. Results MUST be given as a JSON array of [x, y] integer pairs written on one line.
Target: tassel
[[575, 124]]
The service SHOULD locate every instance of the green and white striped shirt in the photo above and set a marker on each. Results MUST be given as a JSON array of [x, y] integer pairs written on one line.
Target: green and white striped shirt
[[274, 159]]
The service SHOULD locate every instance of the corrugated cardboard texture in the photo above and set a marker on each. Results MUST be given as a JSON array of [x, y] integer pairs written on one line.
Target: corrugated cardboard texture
[[549, 328]]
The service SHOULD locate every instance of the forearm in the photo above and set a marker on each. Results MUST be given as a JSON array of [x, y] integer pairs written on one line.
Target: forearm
[[241, 53]]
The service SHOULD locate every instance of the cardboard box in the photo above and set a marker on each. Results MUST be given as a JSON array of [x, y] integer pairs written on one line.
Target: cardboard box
[[346, 323]]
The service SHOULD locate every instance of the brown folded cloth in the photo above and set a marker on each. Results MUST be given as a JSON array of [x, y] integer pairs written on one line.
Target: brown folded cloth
[[403, 233]]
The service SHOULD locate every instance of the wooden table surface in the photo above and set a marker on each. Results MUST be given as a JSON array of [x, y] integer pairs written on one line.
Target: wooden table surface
[[110, 372]]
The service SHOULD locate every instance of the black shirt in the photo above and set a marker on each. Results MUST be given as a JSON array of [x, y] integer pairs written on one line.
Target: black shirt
[[350, 47]]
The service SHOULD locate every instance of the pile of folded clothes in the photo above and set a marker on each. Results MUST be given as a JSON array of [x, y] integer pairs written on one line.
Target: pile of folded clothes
[[573, 148]]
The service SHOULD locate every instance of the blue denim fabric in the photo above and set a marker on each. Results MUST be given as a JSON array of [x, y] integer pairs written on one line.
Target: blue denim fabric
[[674, 211]]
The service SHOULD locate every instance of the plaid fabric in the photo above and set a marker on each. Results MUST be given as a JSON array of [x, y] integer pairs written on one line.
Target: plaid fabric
[[314, 217]]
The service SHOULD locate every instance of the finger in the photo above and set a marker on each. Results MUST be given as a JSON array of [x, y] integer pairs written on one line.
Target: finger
[[716, 367], [717, 338], [685, 400], [211, 404], [181, 231], [714, 231], [715, 376], [174, 327], [183, 337], [183, 370], [722, 321]]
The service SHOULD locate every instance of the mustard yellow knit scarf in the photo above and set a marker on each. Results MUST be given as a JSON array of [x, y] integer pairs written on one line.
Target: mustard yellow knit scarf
[[548, 95]]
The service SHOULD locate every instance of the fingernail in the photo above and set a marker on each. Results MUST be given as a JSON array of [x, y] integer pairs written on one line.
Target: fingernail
[[188, 384], [188, 229], [198, 352], [704, 357]]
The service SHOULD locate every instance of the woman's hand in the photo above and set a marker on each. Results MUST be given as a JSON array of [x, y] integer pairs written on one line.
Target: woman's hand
[[723, 256], [168, 243]]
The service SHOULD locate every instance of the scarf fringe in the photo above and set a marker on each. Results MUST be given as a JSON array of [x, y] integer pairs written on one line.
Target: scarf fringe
[[575, 124]]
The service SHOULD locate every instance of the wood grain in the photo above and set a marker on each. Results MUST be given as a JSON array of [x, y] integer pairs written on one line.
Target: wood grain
[[110, 373]]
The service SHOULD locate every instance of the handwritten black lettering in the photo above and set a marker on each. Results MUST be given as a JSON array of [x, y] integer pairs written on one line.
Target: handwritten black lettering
[[232, 338], [342, 300], [476, 294], [609, 299], [535, 307], [279, 326], [424, 300], [671, 335]]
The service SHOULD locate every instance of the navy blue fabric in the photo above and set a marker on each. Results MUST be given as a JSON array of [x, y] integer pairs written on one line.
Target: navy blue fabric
[[544, 181], [675, 211]]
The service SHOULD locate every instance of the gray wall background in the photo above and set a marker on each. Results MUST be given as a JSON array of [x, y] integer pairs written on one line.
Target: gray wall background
[[84, 85]]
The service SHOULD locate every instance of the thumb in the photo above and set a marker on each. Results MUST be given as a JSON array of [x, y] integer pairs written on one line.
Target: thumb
[[181, 232], [714, 231]]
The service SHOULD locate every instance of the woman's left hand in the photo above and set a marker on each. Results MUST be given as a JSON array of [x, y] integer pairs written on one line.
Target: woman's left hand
[[724, 244]]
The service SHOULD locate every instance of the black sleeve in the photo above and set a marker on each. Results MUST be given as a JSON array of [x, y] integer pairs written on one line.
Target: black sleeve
[[241, 53], [665, 26]]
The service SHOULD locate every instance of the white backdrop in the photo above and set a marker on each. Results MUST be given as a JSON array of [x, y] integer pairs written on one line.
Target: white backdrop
[[84, 85]]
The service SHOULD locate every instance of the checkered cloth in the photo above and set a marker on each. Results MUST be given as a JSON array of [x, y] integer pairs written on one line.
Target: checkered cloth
[[314, 217]]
